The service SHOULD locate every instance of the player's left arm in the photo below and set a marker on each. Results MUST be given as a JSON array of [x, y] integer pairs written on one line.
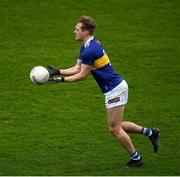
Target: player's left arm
[[82, 75]]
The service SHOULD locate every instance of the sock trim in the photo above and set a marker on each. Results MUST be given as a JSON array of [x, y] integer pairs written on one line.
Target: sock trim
[[135, 156], [142, 130]]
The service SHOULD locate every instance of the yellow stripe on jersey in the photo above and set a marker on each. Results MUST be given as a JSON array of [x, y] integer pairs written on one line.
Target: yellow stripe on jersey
[[100, 62]]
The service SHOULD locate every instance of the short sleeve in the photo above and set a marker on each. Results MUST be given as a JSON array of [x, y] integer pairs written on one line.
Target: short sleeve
[[88, 57]]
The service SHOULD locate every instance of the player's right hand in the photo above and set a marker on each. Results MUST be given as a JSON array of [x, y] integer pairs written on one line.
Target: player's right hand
[[53, 71]]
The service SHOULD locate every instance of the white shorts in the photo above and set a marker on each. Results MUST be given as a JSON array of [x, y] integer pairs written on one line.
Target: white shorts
[[117, 96]]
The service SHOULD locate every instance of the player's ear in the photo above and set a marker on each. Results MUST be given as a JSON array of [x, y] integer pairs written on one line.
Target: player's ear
[[86, 32]]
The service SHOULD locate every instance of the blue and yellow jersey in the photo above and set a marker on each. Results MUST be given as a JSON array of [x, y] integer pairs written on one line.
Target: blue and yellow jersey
[[92, 53]]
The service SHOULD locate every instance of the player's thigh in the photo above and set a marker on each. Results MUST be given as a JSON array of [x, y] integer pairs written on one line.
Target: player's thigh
[[115, 116]]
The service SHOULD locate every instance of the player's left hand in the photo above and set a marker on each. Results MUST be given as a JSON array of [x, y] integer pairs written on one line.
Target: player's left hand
[[55, 80]]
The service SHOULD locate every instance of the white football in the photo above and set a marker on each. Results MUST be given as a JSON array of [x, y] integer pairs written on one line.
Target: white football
[[39, 75]]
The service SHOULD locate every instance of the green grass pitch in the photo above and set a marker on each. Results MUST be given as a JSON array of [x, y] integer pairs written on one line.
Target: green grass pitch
[[62, 129]]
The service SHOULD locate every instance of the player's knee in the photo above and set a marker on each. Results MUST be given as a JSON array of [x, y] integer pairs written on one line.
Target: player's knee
[[114, 130]]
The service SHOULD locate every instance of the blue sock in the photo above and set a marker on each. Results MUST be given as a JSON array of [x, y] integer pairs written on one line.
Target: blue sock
[[146, 131], [135, 156]]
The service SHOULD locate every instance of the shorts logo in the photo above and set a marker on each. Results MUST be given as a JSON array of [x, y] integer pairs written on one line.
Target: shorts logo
[[114, 100]]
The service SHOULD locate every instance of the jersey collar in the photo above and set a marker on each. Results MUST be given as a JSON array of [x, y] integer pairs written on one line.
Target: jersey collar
[[88, 41]]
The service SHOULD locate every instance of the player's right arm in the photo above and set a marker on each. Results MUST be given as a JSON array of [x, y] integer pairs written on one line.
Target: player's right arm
[[66, 72], [73, 70]]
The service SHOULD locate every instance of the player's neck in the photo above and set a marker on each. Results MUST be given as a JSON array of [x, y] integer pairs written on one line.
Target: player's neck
[[86, 39]]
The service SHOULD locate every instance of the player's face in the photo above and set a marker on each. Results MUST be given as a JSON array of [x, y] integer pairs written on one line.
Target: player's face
[[79, 34]]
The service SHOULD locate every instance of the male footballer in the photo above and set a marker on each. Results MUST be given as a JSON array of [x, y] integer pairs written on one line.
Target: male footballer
[[94, 60]]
